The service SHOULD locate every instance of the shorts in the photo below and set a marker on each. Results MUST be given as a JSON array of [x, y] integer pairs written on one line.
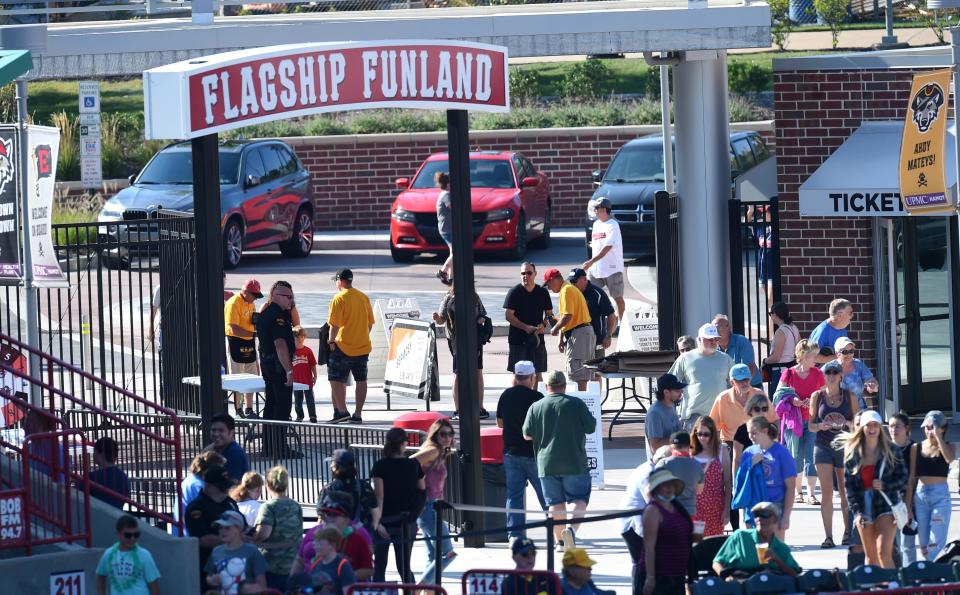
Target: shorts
[[564, 489], [613, 284], [824, 455], [581, 345], [447, 239], [239, 368], [454, 354], [340, 366], [537, 355]]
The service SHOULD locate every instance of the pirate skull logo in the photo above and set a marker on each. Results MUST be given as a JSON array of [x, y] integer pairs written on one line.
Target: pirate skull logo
[[926, 106], [6, 163]]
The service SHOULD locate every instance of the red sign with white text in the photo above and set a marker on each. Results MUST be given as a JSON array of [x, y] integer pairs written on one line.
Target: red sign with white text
[[226, 91]]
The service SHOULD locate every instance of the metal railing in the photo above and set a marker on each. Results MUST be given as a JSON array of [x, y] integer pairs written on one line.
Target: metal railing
[[148, 453]]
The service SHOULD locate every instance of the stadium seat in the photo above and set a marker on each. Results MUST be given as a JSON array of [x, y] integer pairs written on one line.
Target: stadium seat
[[704, 553], [865, 576], [713, 585], [926, 573], [818, 581], [769, 583]]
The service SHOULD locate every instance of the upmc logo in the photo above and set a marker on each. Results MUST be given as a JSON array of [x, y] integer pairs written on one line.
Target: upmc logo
[[43, 158]]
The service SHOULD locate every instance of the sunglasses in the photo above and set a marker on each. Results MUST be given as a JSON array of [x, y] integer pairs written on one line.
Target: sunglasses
[[763, 515], [850, 351], [704, 434], [131, 535], [445, 434], [761, 409], [526, 273]]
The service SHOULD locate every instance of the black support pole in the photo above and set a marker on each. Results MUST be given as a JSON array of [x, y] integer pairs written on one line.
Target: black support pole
[[209, 269], [458, 148]]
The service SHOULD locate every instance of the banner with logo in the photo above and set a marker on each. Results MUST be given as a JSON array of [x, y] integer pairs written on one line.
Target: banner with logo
[[12, 387], [923, 180], [9, 212], [44, 144]]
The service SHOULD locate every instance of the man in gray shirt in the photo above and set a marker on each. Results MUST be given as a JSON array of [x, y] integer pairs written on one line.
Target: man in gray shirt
[[682, 464], [705, 370], [662, 417]]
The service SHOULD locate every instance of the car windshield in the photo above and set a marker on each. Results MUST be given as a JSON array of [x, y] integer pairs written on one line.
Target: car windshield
[[484, 173], [176, 167], [637, 163]]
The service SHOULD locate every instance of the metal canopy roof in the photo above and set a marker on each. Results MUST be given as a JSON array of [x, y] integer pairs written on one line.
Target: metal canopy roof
[[14, 64], [128, 48], [862, 177]]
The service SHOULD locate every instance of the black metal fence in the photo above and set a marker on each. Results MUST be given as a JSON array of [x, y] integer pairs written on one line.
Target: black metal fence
[[754, 269], [102, 321], [668, 267]]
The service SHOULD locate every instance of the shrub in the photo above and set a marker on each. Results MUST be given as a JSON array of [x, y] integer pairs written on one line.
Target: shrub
[[742, 110], [68, 159], [524, 86], [325, 126], [935, 20], [586, 80], [651, 82], [780, 23], [745, 77], [833, 13]]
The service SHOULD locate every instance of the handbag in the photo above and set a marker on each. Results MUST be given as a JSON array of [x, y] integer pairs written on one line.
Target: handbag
[[900, 513]]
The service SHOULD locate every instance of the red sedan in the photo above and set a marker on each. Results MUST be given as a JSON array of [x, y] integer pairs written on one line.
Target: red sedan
[[511, 207]]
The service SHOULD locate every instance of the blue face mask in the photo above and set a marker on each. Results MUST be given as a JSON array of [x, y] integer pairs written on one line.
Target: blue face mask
[[663, 498]]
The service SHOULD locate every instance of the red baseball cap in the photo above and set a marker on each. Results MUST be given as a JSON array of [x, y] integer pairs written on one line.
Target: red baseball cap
[[253, 286], [551, 273]]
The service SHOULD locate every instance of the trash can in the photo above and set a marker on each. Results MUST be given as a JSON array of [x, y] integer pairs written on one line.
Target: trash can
[[417, 420], [494, 494]]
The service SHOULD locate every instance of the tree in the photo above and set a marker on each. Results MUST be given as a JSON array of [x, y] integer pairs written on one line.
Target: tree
[[936, 20], [833, 13], [780, 23]]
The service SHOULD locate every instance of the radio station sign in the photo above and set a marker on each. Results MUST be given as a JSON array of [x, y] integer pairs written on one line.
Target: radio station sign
[[207, 95]]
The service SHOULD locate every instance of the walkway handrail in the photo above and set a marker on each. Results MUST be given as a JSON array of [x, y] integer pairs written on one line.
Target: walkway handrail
[[153, 453]]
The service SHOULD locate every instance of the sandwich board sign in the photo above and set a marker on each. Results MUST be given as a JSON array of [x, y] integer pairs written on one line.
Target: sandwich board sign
[[385, 311]]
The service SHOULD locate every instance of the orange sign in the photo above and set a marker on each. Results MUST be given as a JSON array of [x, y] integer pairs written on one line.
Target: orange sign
[[923, 180]]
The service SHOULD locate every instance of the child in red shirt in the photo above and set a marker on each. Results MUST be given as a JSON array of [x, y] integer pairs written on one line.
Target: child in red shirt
[[304, 372]]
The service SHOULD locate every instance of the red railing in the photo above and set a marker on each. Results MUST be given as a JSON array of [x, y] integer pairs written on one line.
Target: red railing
[[149, 446], [50, 500], [480, 581]]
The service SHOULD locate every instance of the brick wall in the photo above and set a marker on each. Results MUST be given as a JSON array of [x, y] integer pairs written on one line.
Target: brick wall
[[353, 175], [823, 258]]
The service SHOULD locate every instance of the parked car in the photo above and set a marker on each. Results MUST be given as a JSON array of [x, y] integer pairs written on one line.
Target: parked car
[[264, 197], [634, 176], [510, 199]]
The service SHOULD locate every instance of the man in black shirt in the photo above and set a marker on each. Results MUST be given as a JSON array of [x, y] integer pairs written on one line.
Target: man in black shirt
[[603, 316], [277, 346], [212, 502], [527, 306], [519, 461]]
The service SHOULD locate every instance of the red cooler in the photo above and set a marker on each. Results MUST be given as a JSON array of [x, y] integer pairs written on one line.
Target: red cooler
[[417, 420], [491, 445]]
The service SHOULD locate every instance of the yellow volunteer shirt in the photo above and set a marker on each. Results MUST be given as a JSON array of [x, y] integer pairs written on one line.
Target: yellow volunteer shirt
[[573, 303], [351, 313], [237, 311]]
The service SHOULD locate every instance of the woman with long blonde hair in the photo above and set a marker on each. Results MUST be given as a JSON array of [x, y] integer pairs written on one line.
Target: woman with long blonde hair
[[873, 468], [432, 456]]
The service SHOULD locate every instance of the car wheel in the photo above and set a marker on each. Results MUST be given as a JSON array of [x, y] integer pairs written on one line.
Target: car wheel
[[232, 244], [301, 242], [520, 247], [543, 242], [401, 255]]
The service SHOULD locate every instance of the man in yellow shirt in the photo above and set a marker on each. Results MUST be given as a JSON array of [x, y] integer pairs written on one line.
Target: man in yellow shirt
[[578, 341], [350, 320], [238, 313]]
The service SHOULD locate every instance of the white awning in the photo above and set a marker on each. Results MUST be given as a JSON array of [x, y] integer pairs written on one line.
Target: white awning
[[861, 178]]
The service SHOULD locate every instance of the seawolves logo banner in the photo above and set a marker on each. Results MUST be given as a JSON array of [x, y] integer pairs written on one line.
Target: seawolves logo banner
[[923, 182]]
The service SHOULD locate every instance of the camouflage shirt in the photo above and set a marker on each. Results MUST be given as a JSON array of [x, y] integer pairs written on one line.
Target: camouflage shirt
[[286, 518]]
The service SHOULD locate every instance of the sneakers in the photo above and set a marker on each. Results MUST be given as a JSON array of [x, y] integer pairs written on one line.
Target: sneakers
[[250, 414], [313, 420], [356, 419], [299, 420], [455, 416], [484, 414], [568, 538], [339, 417]]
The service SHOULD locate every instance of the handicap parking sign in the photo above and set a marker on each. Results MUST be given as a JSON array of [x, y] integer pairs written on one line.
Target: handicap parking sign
[[89, 102]]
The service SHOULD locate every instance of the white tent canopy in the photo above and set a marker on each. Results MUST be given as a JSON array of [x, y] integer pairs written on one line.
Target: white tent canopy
[[861, 178]]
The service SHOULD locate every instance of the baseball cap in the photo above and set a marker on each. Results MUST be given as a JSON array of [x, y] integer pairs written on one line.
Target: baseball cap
[[524, 368], [601, 203], [551, 273], [334, 507], [577, 556], [869, 416], [842, 342], [230, 518], [669, 382], [740, 372], [708, 331], [935, 418], [680, 439], [219, 477], [343, 457], [253, 286], [345, 274], [833, 365], [576, 274], [522, 545]]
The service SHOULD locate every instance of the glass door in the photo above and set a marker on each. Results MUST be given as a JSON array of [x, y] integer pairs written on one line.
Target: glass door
[[888, 335]]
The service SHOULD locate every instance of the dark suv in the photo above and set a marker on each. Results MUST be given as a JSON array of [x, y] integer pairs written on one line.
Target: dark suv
[[264, 197], [634, 176]]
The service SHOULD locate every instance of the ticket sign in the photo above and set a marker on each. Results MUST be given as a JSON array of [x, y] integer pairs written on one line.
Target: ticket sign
[[11, 517], [225, 91], [923, 179]]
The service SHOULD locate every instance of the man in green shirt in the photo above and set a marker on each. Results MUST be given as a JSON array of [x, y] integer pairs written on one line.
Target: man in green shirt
[[558, 425], [742, 550]]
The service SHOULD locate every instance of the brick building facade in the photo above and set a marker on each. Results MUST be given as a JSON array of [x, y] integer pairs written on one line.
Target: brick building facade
[[819, 103]]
